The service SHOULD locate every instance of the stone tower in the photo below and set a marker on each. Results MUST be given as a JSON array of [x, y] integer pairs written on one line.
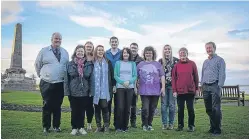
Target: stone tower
[[16, 79], [16, 56], [16, 72]]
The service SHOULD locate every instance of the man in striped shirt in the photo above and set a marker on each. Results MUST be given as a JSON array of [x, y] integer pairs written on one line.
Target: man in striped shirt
[[213, 78]]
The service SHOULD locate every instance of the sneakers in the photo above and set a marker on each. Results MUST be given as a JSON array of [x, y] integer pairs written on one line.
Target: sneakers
[[57, 129], [119, 130], [106, 129], [89, 126], [74, 132], [164, 127], [216, 133], [45, 131], [145, 128], [98, 129], [150, 128], [82, 131], [171, 127], [191, 129], [179, 129]]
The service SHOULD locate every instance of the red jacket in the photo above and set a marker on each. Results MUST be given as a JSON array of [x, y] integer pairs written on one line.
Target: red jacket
[[185, 77]]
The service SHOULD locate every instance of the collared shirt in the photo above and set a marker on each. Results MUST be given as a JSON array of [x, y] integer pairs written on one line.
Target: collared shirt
[[214, 69], [47, 66], [57, 52]]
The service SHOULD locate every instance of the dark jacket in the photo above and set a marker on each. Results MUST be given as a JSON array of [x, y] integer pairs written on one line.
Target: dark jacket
[[185, 77], [111, 79], [77, 86], [137, 59]]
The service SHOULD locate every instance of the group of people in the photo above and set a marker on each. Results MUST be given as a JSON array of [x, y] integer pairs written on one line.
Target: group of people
[[94, 78]]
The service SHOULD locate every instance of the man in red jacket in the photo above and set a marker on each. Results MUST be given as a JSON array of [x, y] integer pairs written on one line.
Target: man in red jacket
[[185, 85]]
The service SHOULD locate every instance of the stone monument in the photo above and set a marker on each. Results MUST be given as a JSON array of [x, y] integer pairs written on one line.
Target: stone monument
[[15, 76]]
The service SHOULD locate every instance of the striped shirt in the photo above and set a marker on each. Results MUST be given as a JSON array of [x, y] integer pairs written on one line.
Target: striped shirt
[[213, 70]]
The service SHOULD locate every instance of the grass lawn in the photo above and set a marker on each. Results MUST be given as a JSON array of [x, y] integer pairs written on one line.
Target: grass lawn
[[30, 98], [26, 98], [27, 125]]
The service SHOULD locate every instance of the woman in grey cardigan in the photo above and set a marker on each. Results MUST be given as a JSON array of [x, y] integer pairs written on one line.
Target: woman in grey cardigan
[[104, 82], [78, 87]]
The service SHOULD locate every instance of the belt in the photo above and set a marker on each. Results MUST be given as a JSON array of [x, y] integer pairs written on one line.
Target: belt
[[209, 84]]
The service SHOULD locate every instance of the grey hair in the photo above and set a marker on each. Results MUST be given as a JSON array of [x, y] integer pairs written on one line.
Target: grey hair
[[183, 49], [55, 34], [213, 44]]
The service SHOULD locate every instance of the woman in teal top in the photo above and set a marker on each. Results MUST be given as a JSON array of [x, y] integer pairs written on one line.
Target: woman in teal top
[[125, 74]]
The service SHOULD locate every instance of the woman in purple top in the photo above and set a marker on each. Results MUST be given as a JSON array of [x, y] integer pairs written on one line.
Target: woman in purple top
[[150, 76]]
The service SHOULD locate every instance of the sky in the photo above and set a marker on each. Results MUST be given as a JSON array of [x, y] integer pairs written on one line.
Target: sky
[[180, 24]]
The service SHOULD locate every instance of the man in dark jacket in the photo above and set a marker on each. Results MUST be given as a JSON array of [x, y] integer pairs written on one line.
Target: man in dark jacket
[[137, 59]]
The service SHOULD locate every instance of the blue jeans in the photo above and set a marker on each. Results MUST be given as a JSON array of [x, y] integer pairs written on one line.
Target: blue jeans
[[168, 106]]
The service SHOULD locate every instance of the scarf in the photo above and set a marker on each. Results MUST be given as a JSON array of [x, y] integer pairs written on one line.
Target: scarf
[[80, 65], [101, 84]]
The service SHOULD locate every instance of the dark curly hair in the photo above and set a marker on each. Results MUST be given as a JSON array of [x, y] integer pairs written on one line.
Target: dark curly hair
[[150, 48]]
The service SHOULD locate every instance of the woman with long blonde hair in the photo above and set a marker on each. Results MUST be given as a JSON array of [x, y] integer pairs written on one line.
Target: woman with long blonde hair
[[168, 102], [89, 49]]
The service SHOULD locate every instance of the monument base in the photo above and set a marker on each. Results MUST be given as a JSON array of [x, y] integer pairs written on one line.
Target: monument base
[[27, 84]]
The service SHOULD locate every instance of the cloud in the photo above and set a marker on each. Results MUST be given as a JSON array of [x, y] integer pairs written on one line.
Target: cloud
[[238, 31], [10, 12], [56, 4], [243, 33], [77, 9], [138, 12], [90, 21], [105, 23]]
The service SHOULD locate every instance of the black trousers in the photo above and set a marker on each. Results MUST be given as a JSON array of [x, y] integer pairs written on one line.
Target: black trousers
[[115, 109], [133, 116], [212, 100], [189, 98], [90, 110], [149, 105], [124, 97], [52, 95], [78, 109], [102, 107]]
